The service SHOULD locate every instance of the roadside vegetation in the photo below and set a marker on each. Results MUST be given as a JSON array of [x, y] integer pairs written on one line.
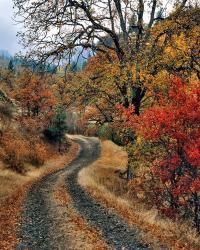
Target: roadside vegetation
[[102, 181], [28, 108], [14, 188]]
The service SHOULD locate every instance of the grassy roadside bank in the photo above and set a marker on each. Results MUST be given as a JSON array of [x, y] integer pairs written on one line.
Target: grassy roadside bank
[[13, 189], [102, 182]]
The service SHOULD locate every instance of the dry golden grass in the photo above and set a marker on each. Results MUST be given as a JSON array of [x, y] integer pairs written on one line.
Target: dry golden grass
[[80, 234], [103, 172], [13, 188], [8, 178], [103, 183]]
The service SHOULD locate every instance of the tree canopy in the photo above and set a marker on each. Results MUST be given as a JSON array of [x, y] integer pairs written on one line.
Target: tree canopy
[[55, 29]]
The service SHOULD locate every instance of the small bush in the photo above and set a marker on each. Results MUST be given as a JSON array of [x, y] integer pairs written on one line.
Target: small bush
[[14, 151], [105, 132], [39, 154], [6, 110]]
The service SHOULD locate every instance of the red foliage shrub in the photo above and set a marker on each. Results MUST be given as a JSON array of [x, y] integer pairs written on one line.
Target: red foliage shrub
[[174, 125]]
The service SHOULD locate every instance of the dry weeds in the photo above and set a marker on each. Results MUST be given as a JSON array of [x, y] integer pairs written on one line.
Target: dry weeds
[[103, 183]]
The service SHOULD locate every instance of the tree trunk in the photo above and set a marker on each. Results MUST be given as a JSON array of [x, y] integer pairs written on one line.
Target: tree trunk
[[196, 211], [137, 95], [129, 173]]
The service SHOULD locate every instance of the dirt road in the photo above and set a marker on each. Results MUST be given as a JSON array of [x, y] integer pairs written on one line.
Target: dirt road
[[40, 225]]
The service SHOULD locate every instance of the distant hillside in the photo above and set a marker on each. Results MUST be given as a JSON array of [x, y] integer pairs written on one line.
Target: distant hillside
[[3, 63], [5, 54], [5, 57], [78, 61]]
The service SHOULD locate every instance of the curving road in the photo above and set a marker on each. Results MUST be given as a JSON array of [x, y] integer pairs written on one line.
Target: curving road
[[39, 227]]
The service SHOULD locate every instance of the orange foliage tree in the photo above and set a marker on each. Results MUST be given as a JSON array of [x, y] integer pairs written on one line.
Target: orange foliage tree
[[34, 94]]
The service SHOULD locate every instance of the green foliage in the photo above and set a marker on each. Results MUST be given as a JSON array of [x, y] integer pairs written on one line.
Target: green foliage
[[109, 132], [105, 132]]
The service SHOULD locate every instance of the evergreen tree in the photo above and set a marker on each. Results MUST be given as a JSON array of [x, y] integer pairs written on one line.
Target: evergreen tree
[[11, 66], [57, 129]]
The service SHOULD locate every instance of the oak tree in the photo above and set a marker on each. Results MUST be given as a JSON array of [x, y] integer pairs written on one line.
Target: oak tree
[[55, 29]]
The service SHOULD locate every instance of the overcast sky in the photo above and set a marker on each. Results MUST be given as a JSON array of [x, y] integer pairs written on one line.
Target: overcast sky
[[8, 30]]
